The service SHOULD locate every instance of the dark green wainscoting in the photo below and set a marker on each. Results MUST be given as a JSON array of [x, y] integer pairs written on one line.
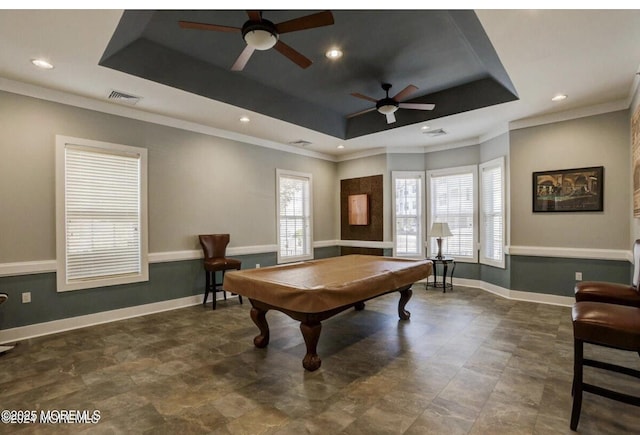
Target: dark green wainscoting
[[556, 276], [167, 281], [179, 279]]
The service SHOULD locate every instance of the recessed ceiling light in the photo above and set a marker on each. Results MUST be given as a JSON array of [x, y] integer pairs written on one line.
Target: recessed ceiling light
[[340, 147], [245, 119], [334, 53], [425, 127], [41, 63], [559, 97]]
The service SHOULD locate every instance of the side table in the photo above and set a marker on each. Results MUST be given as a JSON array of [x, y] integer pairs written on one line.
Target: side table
[[444, 262]]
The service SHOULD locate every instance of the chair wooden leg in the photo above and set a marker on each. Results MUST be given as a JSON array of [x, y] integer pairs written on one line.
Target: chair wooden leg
[[577, 386], [206, 286], [224, 293], [214, 290]]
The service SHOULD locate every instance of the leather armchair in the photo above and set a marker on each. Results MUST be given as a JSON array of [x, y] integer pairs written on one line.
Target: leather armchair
[[613, 293]]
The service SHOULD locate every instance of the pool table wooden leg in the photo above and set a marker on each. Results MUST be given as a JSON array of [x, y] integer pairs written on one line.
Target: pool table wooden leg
[[259, 318], [311, 335], [405, 295]]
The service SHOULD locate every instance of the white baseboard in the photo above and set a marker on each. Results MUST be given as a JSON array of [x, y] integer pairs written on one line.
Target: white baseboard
[[516, 295], [55, 326]]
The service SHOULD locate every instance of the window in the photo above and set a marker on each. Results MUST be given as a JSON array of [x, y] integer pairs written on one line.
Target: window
[[453, 199], [407, 194], [492, 212], [101, 214], [294, 221]]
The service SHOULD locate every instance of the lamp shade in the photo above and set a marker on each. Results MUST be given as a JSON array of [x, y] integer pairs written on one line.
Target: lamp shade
[[440, 229]]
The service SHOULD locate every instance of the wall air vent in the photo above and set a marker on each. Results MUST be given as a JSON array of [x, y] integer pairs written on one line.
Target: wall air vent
[[121, 97], [434, 133], [300, 142]]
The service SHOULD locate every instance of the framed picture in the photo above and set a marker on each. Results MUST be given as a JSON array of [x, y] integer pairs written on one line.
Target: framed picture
[[568, 190], [359, 209], [635, 156]]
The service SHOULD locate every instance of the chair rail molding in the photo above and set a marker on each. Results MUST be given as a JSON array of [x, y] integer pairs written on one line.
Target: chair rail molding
[[48, 266], [564, 252]]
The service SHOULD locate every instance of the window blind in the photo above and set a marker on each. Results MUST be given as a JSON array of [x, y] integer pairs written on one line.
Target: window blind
[[294, 217], [408, 213], [452, 201], [492, 213], [102, 214]]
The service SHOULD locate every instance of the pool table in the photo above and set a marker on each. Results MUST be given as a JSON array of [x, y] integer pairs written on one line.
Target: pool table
[[313, 291]]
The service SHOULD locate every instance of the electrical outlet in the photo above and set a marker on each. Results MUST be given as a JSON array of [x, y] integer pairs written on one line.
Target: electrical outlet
[[26, 297], [578, 276], [257, 265]]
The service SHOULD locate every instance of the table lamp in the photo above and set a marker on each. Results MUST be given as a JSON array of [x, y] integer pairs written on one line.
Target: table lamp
[[440, 230]]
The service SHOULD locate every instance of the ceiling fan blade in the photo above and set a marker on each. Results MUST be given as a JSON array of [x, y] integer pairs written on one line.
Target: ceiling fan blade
[[242, 60], [361, 112], [391, 118], [254, 15], [403, 94], [364, 97], [417, 106], [308, 22], [205, 26], [292, 54]]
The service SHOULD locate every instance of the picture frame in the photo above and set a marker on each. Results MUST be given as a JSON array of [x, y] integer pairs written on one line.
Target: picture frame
[[358, 209], [635, 159], [569, 190]]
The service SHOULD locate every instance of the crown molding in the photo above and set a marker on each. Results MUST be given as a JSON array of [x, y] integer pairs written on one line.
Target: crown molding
[[61, 97]]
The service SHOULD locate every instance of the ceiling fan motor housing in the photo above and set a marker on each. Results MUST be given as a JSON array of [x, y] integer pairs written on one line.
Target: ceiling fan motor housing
[[261, 35], [387, 105]]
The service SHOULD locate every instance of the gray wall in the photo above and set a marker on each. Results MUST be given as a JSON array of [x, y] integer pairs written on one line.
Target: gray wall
[[601, 140], [405, 162], [197, 183], [451, 158], [200, 183], [495, 147]]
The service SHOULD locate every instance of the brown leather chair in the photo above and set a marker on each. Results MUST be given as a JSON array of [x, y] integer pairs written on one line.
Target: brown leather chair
[[609, 325], [214, 247], [613, 293], [3, 349]]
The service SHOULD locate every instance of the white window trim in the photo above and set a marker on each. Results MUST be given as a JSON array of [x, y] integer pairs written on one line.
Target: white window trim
[[453, 171], [61, 251], [290, 259], [421, 231], [499, 162]]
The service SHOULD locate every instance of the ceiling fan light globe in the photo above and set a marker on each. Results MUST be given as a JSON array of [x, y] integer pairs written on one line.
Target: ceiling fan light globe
[[260, 39], [387, 108]]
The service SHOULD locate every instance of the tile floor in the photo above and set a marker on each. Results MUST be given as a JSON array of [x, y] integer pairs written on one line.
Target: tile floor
[[467, 362]]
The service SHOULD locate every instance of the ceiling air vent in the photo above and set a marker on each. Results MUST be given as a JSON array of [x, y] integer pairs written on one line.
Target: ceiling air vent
[[300, 142], [434, 133], [121, 97]]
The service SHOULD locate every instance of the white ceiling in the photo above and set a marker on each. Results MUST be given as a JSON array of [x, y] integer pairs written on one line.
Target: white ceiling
[[590, 55]]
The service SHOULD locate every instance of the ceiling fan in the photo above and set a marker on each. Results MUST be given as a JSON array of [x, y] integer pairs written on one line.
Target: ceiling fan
[[388, 105], [261, 34]]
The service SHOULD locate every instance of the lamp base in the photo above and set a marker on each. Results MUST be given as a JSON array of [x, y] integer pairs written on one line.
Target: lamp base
[[439, 241]]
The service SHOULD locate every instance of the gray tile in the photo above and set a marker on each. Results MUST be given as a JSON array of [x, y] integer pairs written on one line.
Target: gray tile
[[466, 362]]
